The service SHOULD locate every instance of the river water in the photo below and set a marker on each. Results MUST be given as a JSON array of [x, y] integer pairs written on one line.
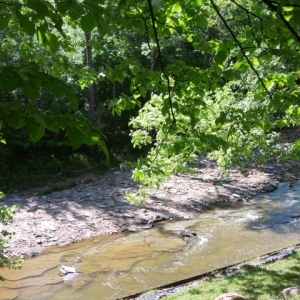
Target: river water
[[112, 267]]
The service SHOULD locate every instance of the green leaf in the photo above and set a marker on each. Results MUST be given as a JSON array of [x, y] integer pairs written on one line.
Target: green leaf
[[29, 27], [196, 2], [4, 19], [51, 124], [4, 111], [281, 123], [104, 149], [16, 119], [91, 139], [10, 83], [241, 66], [176, 8], [221, 119], [30, 90], [39, 7], [202, 22], [36, 131], [62, 7], [53, 86], [220, 57], [51, 42], [87, 22], [75, 136], [72, 98]]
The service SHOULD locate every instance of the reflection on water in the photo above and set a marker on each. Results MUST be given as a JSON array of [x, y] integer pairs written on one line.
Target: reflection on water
[[115, 266]]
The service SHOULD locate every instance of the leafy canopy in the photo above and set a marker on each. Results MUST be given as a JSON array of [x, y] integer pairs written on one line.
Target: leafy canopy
[[242, 84]]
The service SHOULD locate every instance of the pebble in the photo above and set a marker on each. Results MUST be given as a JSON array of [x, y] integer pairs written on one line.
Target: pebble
[[129, 215], [66, 270], [52, 228], [102, 205], [236, 196]]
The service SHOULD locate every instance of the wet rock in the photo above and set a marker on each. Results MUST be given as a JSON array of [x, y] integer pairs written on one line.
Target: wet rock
[[236, 196], [148, 226], [187, 233], [230, 296], [133, 229], [66, 270], [273, 184], [144, 220], [70, 277], [159, 218], [290, 293], [187, 239]]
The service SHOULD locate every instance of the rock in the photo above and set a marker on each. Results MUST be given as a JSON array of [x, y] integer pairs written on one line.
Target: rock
[[230, 296], [38, 241], [187, 233], [129, 215], [70, 277], [102, 205], [236, 196], [66, 270], [290, 293], [52, 228], [274, 184], [82, 226], [268, 167], [144, 220]]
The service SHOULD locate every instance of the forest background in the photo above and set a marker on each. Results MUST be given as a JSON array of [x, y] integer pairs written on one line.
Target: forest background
[[145, 84]]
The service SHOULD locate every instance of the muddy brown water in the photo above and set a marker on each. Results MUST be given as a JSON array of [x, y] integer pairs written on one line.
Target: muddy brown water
[[112, 267]]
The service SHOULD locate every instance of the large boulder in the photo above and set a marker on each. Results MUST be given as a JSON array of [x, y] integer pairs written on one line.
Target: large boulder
[[230, 296], [291, 292]]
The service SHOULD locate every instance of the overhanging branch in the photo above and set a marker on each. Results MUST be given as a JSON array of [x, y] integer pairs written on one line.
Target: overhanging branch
[[241, 48]]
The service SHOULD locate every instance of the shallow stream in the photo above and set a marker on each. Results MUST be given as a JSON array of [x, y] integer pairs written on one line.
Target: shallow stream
[[112, 267]]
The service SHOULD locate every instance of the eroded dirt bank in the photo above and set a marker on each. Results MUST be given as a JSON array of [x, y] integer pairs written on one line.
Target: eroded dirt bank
[[96, 204]]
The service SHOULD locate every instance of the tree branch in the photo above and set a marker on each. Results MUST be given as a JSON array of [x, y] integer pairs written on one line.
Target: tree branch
[[273, 8], [153, 19], [241, 48]]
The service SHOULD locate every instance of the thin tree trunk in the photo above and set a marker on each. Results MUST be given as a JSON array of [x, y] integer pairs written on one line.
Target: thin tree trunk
[[89, 61], [152, 67]]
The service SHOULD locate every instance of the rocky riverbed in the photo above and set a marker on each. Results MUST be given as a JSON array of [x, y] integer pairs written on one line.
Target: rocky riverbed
[[94, 204]]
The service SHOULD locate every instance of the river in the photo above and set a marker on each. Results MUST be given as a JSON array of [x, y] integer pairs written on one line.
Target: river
[[112, 267]]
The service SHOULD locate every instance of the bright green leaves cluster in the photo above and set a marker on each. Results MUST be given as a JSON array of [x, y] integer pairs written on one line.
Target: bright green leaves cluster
[[232, 105], [6, 215]]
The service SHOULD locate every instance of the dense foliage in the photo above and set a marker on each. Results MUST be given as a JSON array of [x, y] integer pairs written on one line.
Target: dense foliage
[[211, 76]]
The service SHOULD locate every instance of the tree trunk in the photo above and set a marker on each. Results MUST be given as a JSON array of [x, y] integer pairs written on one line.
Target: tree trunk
[[89, 62]]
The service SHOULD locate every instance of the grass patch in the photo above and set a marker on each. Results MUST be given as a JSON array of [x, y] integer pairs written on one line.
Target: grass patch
[[261, 283]]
